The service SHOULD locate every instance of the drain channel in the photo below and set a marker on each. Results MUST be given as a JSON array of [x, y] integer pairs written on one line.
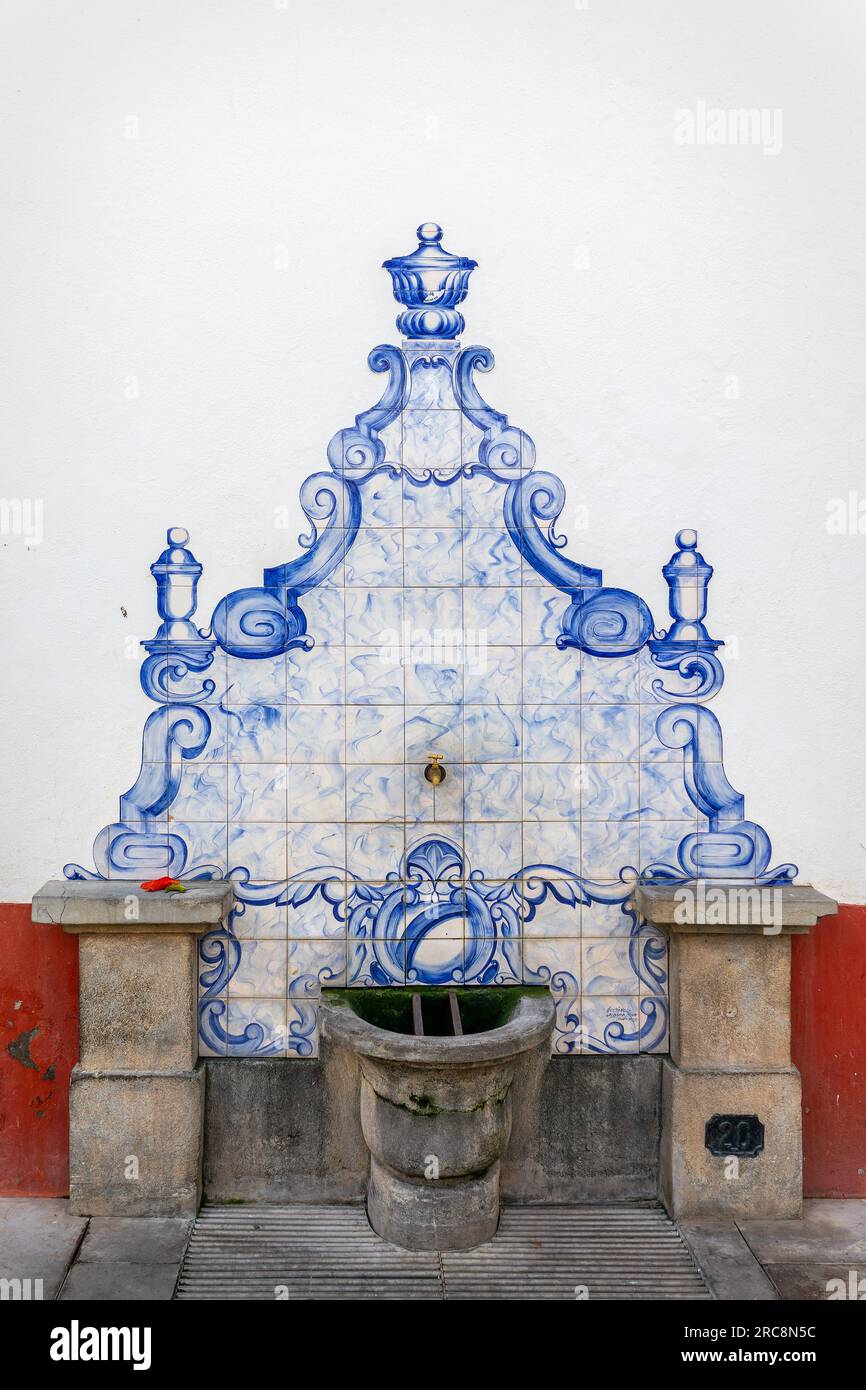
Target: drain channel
[[330, 1252]]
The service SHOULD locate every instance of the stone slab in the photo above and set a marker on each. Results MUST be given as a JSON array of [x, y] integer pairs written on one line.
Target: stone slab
[[726, 1262], [38, 1240], [152, 1240], [680, 906], [286, 1130], [697, 1184], [584, 1129], [120, 1283], [819, 1282], [730, 999], [90, 903], [828, 1232], [137, 998], [155, 1120]]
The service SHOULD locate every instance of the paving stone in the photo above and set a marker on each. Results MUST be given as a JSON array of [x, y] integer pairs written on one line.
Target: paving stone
[[726, 1262], [120, 1282], [818, 1282], [135, 1240], [828, 1232], [38, 1239]]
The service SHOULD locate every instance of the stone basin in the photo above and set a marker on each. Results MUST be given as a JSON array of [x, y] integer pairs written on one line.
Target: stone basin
[[436, 1109]]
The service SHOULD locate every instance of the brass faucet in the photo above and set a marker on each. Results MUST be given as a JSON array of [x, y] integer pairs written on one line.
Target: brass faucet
[[433, 772]]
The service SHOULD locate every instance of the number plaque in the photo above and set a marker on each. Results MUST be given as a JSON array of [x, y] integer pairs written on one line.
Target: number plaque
[[738, 1135]]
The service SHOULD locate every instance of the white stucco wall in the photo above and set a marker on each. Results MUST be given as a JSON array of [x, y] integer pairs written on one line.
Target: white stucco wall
[[197, 199]]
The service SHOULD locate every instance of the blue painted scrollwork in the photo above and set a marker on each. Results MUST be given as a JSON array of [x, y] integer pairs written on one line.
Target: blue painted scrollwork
[[505, 451], [731, 846], [358, 451]]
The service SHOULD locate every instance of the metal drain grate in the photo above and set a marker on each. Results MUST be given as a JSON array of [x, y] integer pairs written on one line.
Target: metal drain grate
[[330, 1252]]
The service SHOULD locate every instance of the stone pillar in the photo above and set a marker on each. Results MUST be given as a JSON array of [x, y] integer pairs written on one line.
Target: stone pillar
[[136, 1111], [731, 1142]]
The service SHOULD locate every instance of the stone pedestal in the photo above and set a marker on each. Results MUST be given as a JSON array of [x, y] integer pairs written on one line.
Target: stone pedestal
[[136, 1113], [731, 1141]]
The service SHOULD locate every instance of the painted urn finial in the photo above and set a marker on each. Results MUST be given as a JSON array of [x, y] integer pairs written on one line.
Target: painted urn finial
[[688, 574], [430, 282], [177, 573]]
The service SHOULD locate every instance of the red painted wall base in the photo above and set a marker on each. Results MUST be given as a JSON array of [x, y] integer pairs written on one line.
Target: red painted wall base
[[828, 980], [39, 1046]]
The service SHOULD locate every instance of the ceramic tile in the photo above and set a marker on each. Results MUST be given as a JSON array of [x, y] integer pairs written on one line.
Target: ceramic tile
[[256, 1027], [434, 728], [550, 916], [663, 794], [609, 733], [257, 734], [255, 682], [382, 496], [555, 844], [259, 848], [261, 970], [375, 558], [376, 793], [314, 963], [257, 791], [490, 557], [433, 617], [263, 921], [374, 851], [492, 616], [552, 791], [302, 1028], [491, 733], [493, 847], [316, 677], [374, 734], [433, 556], [317, 910], [607, 967], [610, 791], [551, 676], [438, 680], [492, 677], [315, 733], [554, 962], [551, 733], [325, 612], [374, 618], [312, 847], [543, 609], [491, 790], [431, 441], [483, 496], [611, 1023], [202, 793], [374, 676], [607, 847], [317, 792], [609, 680], [432, 503]]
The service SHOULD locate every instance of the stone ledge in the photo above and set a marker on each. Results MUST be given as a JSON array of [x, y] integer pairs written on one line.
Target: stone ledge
[[732, 906], [87, 905]]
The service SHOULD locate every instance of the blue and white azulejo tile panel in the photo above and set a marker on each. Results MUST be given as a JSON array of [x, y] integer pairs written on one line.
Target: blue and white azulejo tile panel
[[433, 607]]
